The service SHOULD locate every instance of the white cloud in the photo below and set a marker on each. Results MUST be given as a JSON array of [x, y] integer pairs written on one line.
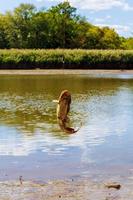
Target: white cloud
[[97, 5], [108, 17], [101, 20], [119, 28], [101, 4]]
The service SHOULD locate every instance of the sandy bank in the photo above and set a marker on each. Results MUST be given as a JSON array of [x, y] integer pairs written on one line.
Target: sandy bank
[[54, 72], [66, 190]]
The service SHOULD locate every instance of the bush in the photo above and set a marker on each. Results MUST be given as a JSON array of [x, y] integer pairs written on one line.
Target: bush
[[67, 59]]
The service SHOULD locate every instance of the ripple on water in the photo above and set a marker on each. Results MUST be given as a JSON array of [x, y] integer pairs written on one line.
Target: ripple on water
[[103, 107]]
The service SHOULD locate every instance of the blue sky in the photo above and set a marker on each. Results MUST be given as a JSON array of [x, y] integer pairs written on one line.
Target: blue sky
[[114, 13]]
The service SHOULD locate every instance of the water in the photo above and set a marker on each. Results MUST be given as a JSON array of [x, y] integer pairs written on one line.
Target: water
[[32, 144]]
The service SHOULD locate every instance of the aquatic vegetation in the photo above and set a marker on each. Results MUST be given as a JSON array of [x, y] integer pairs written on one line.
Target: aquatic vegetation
[[66, 59]]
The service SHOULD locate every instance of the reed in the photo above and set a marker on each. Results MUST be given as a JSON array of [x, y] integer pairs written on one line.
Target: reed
[[67, 59]]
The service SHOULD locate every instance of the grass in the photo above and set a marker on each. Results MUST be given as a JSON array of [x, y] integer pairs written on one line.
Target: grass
[[68, 59]]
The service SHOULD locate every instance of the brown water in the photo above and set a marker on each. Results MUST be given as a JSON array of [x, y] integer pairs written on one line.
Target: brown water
[[32, 144]]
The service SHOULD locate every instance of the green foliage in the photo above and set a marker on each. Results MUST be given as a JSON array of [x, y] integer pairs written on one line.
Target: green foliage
[[110, 39], [127, 43], [3, 38], [19, 25], [63, 21], [58, 27], [60, 58]]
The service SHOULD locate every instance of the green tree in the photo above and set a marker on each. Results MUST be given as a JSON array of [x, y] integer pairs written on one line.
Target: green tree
[[3, 38], [58, 27], [127, 43], [40, 34], [93, 38], [63, 20], [82, 28], [19, 26], [110, 39], [102, 38]]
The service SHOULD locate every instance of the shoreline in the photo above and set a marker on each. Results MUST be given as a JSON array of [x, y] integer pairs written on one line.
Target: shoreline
[[84, 189], [65, 72]]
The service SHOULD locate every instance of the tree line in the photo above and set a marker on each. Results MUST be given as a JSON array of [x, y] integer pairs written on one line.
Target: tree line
[[57, 27]]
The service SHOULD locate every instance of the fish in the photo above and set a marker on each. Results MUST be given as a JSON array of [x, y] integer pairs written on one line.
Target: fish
[[66, 129], [63, 108]]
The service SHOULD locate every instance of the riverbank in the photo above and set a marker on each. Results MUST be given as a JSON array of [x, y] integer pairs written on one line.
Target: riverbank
[[65, 71], [65, 59], [66, 190]]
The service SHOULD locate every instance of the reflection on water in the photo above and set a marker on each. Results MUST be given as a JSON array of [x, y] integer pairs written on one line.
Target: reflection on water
[[29, 130]]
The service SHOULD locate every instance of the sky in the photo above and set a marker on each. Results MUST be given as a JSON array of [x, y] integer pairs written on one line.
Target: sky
[[117, 14]]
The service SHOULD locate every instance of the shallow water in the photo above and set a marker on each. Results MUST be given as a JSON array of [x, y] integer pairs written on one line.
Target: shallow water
[[32, 144]]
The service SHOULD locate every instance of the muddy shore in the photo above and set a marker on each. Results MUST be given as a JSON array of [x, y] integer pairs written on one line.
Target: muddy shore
[[66, 190], [60, 71]]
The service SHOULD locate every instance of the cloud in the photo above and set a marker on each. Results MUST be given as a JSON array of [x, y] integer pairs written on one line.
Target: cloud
[[108, 17], [102, 20], [119, 28], [97, 5], [99, 20]]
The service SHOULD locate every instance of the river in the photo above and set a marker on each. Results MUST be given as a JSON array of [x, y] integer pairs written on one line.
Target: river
[[32, 144]]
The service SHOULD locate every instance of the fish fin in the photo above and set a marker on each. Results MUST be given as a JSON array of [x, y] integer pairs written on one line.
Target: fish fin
[[55, 101]]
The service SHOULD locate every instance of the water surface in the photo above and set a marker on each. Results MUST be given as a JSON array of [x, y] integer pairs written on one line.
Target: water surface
[[32, 144]]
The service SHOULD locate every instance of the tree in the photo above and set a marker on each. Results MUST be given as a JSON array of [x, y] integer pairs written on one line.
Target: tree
[[58, 27], [41, 30], [81, 29], [127, 43], [63, 19], [19, 26], [3, 38], [110, 39], [93, 37]]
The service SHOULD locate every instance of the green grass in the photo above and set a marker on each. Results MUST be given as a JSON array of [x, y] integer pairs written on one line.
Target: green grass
[[68, 59]]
